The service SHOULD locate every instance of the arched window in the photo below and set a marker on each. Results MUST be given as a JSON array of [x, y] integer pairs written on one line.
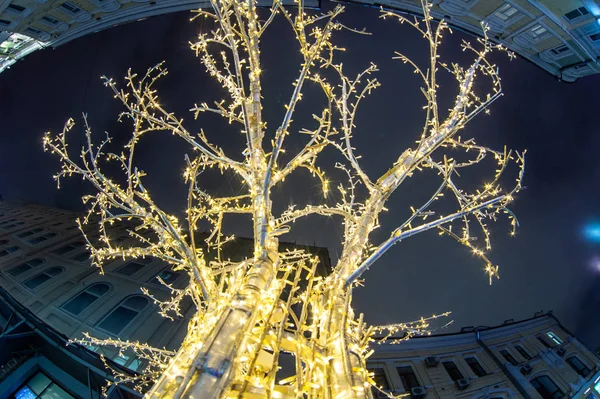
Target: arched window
[[578, 366], [85, 298], [9, 250], [547, 388], [69, 247], [130, 268], [41, 278], [29, 233], [23, 267], [118, 318], [42, 238]]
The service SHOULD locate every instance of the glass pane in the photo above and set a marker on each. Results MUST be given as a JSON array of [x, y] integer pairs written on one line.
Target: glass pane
[[130, 268], [35, 262], [54, 271], [38, 383], [19, 270], [55, 392], [98, 289], [81, 257], [25, 393], [36, 280], [117, 320], [136, 302], [168, 276], [79, 303]]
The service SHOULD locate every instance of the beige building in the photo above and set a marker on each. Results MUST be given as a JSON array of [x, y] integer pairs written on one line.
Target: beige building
[[534, 358], [560, 36], [45, 267]]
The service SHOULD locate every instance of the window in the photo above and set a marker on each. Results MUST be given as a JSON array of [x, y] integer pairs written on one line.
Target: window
[[29, 233], [475, 366], [130, 268], [40, 386], [509, 358], [57, 223], [16, 8], [167, 276], [81, 301], [41, 278], [123, 314], [505, 12], [69, 247], [4, 23], [546, 387], [543, 341], [9, 250], [3, 242], [82, 257], [453, 370], [559, 50], [408, 377], [381, 382], [554, 338], [42, 238], [578, 366], [578, 12], [522, 352], [51, 21], [70, 7], [8, 221], [12, 225], [537, 31], [23, 267], [595, 37]]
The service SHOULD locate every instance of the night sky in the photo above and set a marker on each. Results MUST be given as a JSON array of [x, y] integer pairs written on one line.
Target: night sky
[[549, 265]]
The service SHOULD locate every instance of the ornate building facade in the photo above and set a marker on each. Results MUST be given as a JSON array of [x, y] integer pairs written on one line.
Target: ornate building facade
[[530, 359], [560, 36]]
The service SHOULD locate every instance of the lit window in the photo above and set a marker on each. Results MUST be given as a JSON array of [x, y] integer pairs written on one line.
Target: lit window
[[39, 279], [537, 31], [578, 366], [167, 276], [505, 12], [381, 382], [523, 352], [509, 358], [554, 338], [24, 267], [475, 366], [42, 238], [9, 250], [72, 8], [576, 13], [123, 314], [81, 301], [547, 388], [40, 386], [453, 370], [29, 233], [69, 247]]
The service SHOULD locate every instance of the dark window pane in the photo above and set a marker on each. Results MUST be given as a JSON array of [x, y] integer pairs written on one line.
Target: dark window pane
[[544, 342], [168, 276], [475, 366], [8, 251], [578, 366], [136, 302], [82, 257], [381, 381], [29, 233], [3, 242], [35, 262], [16, 7], [522, 352], [547, 388], [509, 358], [54, 271], [453, 370], [15, 271], [116, 321], [130, 268], [408, 377], [36, 280], [98, 289], [79, 303]]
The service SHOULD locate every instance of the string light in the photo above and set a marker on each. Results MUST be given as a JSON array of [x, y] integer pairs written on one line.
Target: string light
[[251, 312]]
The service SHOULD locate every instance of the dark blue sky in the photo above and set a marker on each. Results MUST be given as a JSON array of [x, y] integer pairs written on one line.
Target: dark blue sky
[[547, 266]]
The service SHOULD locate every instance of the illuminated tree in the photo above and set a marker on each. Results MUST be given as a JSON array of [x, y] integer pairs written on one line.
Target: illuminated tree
[[251, 312]]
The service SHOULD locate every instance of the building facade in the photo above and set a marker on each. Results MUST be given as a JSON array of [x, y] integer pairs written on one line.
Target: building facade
[[532, 359], [560, 36], [45, 268]]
